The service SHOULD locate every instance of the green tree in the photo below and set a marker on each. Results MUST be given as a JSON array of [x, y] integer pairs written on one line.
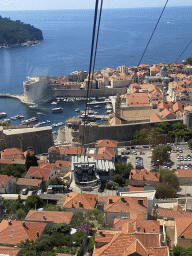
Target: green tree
[[51, 207], [169, 178], [123, 168], [164, 190], [56, 181], [160, 154], [189, 142], [91, 243], [33, 202], [141, 136], [111, 185], [179, 130], [188, 61], [31, 160], [163, 127], [178, 250]]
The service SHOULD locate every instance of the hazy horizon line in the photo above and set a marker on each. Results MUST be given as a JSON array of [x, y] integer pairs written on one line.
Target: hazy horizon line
[[93, 9]]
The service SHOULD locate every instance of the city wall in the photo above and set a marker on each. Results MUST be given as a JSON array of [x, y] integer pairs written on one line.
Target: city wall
[[40, 140], [83, 93], [120, 133]]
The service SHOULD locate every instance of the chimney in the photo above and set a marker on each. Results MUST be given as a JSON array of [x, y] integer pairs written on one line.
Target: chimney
[[123, 200], [44, 217], [110, 200], [138, 229], [80, 204], [140, 201], [37, 233], [9, 222], [24, 224]]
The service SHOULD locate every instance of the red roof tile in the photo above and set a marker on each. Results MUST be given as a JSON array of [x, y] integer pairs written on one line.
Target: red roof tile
[[29, 182], [16, 152], [143, 175], [39, 172], [125, 204], [106, 143], [83, 201], [17, 231], [182, 173], [56, 217], [9, 251]]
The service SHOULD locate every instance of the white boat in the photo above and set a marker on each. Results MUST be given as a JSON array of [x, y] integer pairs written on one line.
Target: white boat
[[35, 106], [54, 103], [3, 114], [77, 110], [13, 118], [40, 113], [57, 110], [97, 106], [48, 121]]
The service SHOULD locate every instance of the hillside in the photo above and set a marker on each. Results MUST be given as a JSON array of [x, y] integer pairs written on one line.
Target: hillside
[[17, 32]]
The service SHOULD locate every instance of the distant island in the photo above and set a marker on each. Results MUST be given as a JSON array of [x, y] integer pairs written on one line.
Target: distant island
[[17, 33]]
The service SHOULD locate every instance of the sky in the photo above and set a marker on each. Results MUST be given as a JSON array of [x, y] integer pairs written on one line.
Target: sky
[[14, 5]]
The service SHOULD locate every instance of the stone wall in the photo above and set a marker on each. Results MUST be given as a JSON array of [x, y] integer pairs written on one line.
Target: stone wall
[[83, 93], [40, 139], [120, 133]]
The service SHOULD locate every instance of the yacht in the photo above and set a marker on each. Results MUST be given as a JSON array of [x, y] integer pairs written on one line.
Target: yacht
[[3, 114], [57, 110]]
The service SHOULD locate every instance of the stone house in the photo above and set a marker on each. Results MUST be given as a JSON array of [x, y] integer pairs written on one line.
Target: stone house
[[143, 177], [183, 232], [31, 184], [14, 231], [123, 207], [79, 202], [184, 176], [7, 184]]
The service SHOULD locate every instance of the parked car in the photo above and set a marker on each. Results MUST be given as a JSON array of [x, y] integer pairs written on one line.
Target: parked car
[[34, 192], [24, 191], [39, 192]]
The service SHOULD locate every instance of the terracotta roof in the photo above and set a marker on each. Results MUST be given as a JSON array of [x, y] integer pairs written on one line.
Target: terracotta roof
[[184, 227], [160, 251], [106, 143], [143, 175], [161, 213], [67, 150], [56, 217], [29, 182], [39, 172], [189, 108], [82, 201], [4, 180], [134, 188], [6, 161], [125, 204], [17, 231], [114, 121], [137, 99], [9, 251], [63, 163], [155, 117], [182, 173], [126, 244], [165, 112], [17, 152], [130, 226], [177, 107]]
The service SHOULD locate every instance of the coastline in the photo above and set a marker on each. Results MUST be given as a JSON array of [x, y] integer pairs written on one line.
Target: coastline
[[28, 43]]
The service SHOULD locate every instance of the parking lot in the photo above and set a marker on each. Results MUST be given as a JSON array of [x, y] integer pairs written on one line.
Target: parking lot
[[180, 157]]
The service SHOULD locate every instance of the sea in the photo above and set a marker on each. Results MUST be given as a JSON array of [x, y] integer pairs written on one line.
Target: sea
[[124, 34]]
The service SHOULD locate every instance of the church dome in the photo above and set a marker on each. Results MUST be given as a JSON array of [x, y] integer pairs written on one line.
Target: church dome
[[163, 68], [183, 91]]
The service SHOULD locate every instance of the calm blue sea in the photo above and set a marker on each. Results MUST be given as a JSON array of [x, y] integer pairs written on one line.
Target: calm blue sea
[[124, 34]]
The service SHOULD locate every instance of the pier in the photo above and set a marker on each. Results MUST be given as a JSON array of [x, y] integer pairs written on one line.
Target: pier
[[14, 96], [98, 102]]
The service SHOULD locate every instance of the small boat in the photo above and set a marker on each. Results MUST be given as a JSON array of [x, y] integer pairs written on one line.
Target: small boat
[[35, 106], [57, 110], [13, 118], [3, 114], [97, 106], [48, 121], [108, 111], [77, 110], [40, 113], [54, 103]]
